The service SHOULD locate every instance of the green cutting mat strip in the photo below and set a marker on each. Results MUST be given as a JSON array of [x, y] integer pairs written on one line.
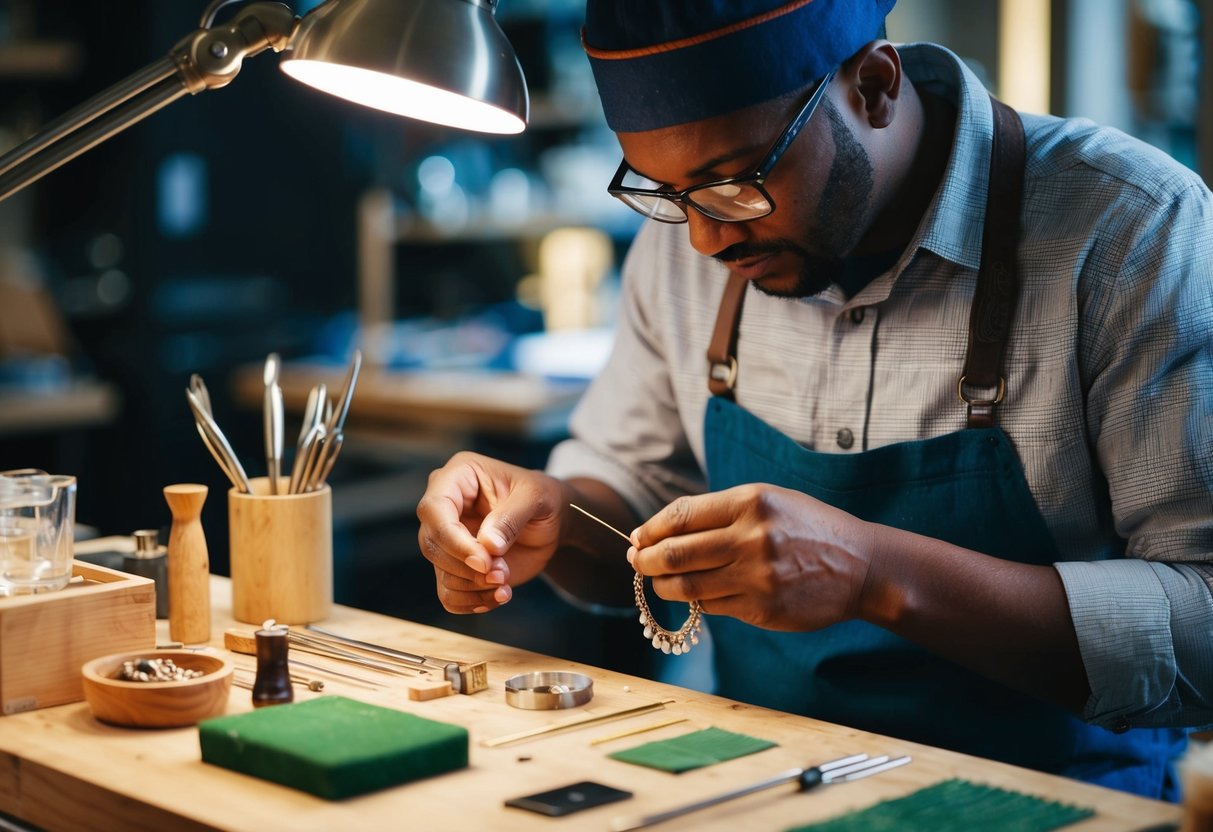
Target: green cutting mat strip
[[694, 750], [956, 806]]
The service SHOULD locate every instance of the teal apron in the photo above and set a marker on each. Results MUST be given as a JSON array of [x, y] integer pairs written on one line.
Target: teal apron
[[967, 488]]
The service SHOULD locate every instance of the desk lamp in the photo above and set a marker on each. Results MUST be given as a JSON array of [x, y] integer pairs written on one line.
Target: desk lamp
[[443, 61]]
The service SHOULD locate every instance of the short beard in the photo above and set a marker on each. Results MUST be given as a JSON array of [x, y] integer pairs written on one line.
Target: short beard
[[842, 215]]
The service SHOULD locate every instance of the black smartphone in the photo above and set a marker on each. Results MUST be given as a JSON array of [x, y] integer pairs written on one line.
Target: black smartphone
[[568, 799]]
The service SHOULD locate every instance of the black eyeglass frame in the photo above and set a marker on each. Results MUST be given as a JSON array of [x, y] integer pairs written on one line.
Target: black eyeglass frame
[[755, 179]]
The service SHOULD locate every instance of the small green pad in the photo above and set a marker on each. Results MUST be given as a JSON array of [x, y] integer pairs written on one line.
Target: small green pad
[[694, 750], [333, 747], [957, 806]]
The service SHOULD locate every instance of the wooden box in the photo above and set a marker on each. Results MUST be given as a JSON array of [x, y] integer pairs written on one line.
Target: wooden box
[[46, 638]]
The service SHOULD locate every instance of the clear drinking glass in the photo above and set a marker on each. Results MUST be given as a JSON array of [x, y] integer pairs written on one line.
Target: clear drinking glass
[[37, 516]]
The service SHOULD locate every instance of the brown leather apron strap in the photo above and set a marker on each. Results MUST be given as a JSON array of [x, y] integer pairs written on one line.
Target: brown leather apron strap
[[722, 349], [994, 299], [982, 384]]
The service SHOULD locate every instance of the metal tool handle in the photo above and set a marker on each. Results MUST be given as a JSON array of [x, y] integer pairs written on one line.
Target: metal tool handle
[[218, 444]]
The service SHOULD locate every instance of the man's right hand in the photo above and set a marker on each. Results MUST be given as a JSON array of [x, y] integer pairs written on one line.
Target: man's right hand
[[487, 525]]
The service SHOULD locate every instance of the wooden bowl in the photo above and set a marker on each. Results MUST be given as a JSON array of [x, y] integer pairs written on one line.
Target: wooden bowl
[[157, 704]]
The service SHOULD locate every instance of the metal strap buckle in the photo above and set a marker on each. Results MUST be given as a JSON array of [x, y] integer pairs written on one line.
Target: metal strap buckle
[[960, 392], [726, 373]]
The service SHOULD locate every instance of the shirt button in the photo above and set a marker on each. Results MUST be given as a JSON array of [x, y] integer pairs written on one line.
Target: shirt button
[[857, 315], [845, 438]]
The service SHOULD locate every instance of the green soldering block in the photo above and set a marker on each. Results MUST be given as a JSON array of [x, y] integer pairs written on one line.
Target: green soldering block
[[333, 747]]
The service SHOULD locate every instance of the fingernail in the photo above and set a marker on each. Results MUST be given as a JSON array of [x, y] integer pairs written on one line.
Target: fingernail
[[502, 594], [631, 557], [495, 577], [478, 563], [480, 609], [494, 537]]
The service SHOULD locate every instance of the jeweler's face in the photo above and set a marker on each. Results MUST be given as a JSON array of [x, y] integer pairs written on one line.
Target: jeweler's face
[[821, 187]]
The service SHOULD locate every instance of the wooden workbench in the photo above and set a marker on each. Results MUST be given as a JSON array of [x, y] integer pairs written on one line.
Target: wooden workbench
[[61, 769]]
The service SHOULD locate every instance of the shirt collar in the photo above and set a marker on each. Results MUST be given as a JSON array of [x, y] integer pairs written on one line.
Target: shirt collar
[[952, 225]]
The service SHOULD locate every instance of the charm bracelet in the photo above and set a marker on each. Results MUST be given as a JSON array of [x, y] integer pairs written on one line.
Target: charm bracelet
[[678, 642]]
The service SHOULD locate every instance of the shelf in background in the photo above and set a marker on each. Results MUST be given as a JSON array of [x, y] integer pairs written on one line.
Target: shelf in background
[[471, 401], [39, 60], [83, 404]]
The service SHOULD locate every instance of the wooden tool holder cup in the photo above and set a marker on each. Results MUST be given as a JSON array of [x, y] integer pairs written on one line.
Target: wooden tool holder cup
[[281, 549]]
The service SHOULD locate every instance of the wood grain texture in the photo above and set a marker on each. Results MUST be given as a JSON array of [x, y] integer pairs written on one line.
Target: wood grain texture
[[189, 600], [45, 638], [157, 704], [69, 770], [281, 555]]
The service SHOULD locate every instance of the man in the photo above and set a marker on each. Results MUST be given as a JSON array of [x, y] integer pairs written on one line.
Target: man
[[954, 478]]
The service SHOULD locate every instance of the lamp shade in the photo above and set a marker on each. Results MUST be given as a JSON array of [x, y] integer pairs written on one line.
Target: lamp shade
[[443, 61]]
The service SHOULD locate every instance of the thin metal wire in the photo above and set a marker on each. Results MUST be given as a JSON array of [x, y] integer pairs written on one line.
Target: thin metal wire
[[680, 641]]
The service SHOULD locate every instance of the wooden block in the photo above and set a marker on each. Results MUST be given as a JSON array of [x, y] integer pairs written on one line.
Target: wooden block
[[425, 689], [474, 677], [240, 641], [45, 639]]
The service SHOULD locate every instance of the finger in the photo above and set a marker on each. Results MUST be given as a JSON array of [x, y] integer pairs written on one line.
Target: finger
[[461, 596], [499, 568], [450, 548], [683, 553], [444, 538], [733, 606], [685, 515], [512, 513], [708, 585]]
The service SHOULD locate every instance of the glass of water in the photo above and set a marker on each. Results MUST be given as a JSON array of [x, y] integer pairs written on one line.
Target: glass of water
[[37, 516]]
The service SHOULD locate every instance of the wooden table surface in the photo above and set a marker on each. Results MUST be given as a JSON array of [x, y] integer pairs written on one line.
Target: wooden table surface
[[62, 769]]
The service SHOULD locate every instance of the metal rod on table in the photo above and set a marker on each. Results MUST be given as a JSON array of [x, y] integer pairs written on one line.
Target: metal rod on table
[[577, 723], [841, 770], [347, 678], [641, 730], [411, 658], [465, 677]]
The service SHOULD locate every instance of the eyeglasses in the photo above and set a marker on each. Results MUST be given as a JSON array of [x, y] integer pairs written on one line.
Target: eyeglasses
[[736, 199]]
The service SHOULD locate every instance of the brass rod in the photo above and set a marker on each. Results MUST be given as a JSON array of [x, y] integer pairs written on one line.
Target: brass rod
[[641, 730], [602, 522], [577, 723]]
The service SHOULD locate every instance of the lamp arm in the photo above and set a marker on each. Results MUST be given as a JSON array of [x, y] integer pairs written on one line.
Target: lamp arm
[[207, 58]]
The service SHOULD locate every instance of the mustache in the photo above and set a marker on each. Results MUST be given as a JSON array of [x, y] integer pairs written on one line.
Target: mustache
[[746, 251]]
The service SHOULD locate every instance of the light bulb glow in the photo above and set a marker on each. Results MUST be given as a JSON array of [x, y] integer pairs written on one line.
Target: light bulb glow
[[403, 97]]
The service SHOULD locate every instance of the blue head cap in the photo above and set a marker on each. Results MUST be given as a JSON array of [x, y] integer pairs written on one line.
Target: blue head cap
[[658, 63]]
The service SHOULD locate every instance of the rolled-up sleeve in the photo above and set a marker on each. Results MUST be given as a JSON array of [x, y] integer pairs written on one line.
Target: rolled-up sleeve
[[1145, 621], [1146, 635]]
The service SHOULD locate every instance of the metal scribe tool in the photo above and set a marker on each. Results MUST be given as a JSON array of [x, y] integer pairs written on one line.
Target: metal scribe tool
[[836, 771], [465, 677]]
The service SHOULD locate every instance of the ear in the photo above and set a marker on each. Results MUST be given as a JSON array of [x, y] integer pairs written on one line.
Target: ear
[[875, 75]]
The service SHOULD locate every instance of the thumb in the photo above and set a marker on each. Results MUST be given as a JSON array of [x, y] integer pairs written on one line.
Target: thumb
[[502, 525]]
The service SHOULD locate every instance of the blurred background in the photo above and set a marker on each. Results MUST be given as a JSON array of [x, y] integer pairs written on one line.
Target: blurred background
[[478, 275]]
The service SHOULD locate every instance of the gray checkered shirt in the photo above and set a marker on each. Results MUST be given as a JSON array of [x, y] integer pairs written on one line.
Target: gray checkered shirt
[[1109, 378]]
